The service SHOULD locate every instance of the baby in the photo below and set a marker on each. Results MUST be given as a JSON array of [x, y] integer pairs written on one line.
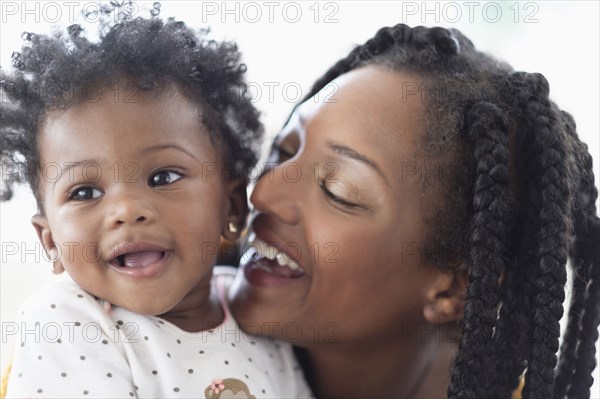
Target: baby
[[140, 145]]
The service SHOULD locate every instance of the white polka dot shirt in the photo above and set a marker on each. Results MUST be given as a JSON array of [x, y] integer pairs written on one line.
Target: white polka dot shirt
[[69, 346]]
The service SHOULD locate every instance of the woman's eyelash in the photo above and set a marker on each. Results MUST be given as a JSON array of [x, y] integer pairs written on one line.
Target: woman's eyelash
[[334, 197], [280, 153]]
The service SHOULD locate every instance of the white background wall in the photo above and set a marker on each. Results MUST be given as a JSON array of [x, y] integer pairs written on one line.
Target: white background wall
[[287, 45]]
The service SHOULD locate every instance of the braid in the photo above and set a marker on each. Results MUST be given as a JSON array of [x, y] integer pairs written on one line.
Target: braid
[[552, 240], [586, 362], [587, 256], [513, 327], [587, 194], [568, 356], [586, 350], [487, 129]]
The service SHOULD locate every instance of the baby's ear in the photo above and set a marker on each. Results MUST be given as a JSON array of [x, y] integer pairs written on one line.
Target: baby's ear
[[42, 228], [445, 296], [237, 209]]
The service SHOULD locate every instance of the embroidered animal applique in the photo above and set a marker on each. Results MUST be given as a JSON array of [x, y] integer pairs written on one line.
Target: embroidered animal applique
[[228, 388]]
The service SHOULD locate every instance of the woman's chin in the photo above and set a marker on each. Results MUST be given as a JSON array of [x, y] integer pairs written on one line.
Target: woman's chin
[[259, 307]]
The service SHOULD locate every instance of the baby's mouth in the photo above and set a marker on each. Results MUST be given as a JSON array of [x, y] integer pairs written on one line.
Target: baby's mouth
[[137, 259]]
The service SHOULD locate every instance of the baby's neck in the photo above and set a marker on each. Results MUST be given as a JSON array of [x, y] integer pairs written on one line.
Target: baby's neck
[[191, 317]]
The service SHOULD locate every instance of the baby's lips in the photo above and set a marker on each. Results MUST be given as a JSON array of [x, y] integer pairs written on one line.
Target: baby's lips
[[142, 258], [136, 247]]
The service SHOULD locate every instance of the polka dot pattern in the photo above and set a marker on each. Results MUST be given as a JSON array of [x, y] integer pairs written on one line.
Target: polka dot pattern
[[122, 347]]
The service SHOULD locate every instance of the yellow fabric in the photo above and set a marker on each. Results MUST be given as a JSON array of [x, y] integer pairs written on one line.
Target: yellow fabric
[[4, 381], [518, 392]]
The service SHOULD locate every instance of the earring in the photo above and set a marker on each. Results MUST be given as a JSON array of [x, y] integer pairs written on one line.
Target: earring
[[57, 267], [232, 227], [53, 254]]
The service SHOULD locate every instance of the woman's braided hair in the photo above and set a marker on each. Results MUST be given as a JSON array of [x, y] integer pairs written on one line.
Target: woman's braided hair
[[53, 72], [521, 204]]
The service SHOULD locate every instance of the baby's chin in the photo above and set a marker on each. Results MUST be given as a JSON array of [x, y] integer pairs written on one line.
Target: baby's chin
[[149, 309]]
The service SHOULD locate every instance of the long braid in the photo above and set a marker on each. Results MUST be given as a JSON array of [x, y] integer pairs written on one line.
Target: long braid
[[584, 206], [587, 254], [586, 351], [552, 241], [567, 359], [513, 330], [487, 129]]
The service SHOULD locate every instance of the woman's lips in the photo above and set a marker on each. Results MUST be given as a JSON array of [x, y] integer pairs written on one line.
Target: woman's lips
[[264, 272]]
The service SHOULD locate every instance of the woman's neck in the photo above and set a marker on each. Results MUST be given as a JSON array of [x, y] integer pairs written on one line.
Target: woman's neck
[[383, 371]]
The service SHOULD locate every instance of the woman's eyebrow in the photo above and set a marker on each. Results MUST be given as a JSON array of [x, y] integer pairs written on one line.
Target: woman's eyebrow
[[348, 152]]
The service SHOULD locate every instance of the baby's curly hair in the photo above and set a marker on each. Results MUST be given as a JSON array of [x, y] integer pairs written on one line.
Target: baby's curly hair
[[153, 54]]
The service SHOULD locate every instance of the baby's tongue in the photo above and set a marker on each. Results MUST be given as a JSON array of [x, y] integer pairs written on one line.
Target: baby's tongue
[[142, 258]]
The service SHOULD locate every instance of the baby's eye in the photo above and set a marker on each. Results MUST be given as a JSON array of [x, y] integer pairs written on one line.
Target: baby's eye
[[85, 194], [164, 177]]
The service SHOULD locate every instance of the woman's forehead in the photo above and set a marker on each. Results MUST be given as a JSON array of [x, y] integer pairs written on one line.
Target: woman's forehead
[[369, 106]]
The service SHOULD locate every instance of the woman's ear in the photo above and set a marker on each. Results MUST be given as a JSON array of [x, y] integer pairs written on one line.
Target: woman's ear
[[445, 296], [42, 228], [237, 210]]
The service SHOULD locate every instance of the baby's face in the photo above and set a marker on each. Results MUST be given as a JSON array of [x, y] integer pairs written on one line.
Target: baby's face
[[134, 199]]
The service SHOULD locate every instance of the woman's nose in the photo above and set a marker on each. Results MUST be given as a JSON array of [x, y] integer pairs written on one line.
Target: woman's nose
[[277, 193], [127, 208]]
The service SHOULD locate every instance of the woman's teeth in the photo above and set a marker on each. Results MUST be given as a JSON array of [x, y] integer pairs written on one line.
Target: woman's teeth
[[270, 252]]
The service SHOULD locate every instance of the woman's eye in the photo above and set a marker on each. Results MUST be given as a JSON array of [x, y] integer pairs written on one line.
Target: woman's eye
[[335, 198], [279, 155], [85, 194], [164, 177], [284, 155]]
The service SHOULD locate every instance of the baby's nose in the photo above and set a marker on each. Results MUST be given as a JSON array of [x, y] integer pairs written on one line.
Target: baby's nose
[[128, 209]]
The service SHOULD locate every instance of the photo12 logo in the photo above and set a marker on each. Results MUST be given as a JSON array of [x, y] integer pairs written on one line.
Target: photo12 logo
[[269, 11], [469, 11], [28, 12]]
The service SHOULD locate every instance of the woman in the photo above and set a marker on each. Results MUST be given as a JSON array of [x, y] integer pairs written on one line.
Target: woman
[[414, 235]]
